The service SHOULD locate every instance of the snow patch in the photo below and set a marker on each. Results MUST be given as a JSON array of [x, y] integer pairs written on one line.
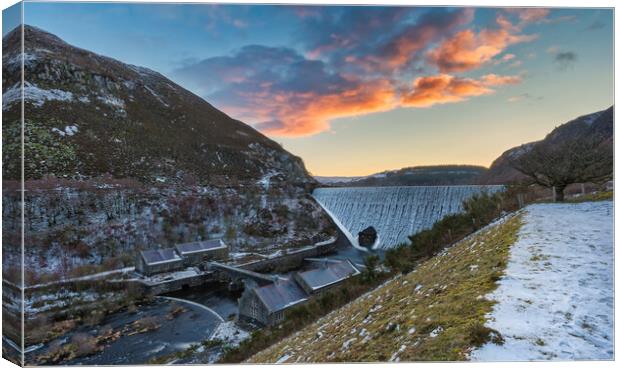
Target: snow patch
[[347, 344], [33, 94], [436, 332], [283, 359], [69, 130], [157, 96], [112, 101], [229, 333], [16, 60], [556, 300]]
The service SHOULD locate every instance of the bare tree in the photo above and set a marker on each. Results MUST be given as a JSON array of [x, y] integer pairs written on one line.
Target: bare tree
[[559, 164]]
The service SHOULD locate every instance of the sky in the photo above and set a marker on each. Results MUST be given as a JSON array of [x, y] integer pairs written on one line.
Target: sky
[[359, 90]]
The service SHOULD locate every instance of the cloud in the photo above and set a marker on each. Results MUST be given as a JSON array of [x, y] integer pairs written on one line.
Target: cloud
[[515, 64], [444, 88], [498, 80], [356, 61], [305, 11], [565, 59], [406, 45], [377, 40], [307, 114], [282, 93], [529, 15], [468, 50], [508, 57], [553, 49], [523, 96], [597, 24]]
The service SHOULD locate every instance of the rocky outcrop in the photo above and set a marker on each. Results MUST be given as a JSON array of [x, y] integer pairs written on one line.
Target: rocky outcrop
[[367, 237]]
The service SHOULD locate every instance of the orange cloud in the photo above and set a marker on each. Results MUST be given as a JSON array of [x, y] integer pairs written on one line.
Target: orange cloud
[[496, 80], [302, 114], [468, 50], [399, 51], [444, 88], [291, 114]]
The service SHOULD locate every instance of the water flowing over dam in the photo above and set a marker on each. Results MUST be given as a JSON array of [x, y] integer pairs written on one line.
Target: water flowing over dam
[[395, 212]]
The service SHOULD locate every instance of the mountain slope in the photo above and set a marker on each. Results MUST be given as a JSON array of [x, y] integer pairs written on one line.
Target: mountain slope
[[410, 176], [91, 115], [119, 158], [433, 313], [598, 123]]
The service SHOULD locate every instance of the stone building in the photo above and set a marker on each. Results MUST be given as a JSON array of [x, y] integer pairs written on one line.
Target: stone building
[[197, 252], [150, 262], [328, 274], [267, 304]]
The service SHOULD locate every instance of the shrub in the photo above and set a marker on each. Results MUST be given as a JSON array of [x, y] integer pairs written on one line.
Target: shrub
[[85, 344], [369, 273], [478, 211]]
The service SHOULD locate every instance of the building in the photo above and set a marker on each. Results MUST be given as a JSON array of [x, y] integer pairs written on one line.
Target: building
[[267, 304], [197, 252], [328, 274], [154, 261]]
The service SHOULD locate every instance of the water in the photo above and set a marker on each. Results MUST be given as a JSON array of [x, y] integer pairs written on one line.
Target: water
[[191, 327], [214, 296], [395, 212]]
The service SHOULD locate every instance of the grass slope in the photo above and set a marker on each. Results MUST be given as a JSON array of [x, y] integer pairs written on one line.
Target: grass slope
[[436, 312]]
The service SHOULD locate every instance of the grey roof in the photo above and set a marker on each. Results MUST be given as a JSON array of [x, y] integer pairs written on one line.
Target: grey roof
[[200, 246], [155, 256], [328, 273], [281, 294]]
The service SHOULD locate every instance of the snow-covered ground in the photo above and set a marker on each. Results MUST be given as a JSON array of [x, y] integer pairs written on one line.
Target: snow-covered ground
[[555, 301], [229, 333], [37, 96], [396, 212]]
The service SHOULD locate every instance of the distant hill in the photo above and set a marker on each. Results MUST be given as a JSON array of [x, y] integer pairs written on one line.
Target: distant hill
[[88, 115], [599, 123], [410, 176]]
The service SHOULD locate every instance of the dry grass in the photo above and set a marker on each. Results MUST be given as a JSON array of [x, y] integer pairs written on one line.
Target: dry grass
[[591, 197], [434, 313]]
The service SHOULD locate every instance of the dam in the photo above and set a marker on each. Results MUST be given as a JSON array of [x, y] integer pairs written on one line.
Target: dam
[[396, 212]]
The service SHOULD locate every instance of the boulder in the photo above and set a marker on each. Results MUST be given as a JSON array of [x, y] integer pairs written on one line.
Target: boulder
[[367, 237]]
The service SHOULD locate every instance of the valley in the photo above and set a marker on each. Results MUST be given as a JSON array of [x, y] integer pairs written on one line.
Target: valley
[[143, 225]]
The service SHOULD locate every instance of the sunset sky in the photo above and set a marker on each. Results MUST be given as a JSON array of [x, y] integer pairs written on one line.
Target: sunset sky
[[357, 90]]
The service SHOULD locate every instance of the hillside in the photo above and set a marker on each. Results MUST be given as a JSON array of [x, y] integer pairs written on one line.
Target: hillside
[[89, 115], [561, 282], [119, 158], [506, 293], [412, 176], [433, 313], [597, 123]]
